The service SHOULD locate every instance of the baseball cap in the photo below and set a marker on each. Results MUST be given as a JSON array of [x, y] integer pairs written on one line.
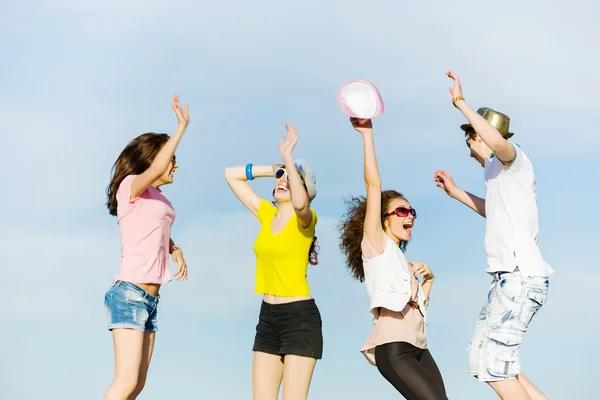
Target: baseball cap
[[307, 173]]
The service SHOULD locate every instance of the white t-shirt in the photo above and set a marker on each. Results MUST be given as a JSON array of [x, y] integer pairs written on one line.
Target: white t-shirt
[[512, 227]]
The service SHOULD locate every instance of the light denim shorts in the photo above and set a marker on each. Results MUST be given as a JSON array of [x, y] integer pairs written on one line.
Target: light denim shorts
[[513, 300], [131, 307]]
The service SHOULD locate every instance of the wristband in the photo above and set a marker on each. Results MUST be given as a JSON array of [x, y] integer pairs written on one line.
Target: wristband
[[249, 172], [457, 98], [175, 248]]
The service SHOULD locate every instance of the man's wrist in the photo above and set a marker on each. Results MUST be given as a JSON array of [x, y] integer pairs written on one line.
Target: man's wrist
[[455, 194], [457, 101]]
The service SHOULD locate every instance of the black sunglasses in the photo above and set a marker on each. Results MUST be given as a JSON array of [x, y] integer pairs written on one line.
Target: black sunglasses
[[403, 212]]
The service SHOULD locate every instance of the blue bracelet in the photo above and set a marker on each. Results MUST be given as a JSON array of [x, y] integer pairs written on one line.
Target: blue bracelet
[[249, 172]]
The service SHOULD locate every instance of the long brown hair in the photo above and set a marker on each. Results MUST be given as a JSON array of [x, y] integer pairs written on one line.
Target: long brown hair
[[352, 227], [313, 253], [135, 158]]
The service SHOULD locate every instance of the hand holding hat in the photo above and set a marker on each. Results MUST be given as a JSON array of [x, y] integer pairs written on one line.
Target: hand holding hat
[[362, 125]]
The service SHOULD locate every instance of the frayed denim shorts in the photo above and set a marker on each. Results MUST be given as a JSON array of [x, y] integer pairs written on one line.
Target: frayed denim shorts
[[128, 306], [513, 301]]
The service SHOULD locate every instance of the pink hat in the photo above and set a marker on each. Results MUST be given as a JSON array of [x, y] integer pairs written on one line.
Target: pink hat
[[360, 99]]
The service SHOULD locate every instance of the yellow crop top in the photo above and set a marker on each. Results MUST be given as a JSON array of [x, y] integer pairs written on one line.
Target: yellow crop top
[[282, 259]]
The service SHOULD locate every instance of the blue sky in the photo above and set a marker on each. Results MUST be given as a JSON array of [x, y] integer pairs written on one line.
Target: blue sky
[[80, 79]]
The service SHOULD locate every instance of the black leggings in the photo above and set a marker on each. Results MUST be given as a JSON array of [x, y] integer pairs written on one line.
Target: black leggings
[[411, 370]]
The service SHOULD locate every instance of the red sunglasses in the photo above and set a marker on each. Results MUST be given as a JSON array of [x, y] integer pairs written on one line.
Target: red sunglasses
[[403, 212]]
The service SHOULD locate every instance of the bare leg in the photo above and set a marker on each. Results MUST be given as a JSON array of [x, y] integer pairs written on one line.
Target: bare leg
[[297, 374], [534, 393], [128, 345], [148, 348], [510, 389], [267, 372]]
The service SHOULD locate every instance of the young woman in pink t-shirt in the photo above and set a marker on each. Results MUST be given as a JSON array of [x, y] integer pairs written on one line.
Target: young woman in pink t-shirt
[[145, 217]]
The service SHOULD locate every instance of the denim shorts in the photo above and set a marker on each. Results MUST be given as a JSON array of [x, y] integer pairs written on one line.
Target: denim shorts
[[129, 306], [513, 301], [290, 329]]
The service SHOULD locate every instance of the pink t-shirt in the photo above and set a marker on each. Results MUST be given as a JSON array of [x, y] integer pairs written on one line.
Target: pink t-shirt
[[145, 227]]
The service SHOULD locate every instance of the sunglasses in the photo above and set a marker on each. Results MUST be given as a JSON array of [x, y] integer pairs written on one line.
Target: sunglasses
[[403, 212], [174, 159], [470, 136], [282, 173]]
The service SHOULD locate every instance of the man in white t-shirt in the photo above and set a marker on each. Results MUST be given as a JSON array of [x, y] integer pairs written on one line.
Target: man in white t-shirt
[[520, 273]]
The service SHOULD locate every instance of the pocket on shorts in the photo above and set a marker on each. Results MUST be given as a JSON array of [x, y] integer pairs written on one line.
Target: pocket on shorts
[[536, 298], [537, 289], [133, 296], [311, 318], [505, 314], [501, 359], [108, 304]]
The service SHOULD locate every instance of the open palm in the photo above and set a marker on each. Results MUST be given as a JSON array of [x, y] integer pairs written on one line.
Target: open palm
[[286, 145]]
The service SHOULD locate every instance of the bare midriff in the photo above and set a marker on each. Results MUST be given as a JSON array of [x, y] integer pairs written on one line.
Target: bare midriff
[[150, 288], [272, 299]]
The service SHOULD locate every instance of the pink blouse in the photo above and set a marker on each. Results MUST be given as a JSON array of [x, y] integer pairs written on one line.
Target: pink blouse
[[391, 326]]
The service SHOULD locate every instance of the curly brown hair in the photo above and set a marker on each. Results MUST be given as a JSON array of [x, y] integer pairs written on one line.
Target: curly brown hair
[[351, 229]]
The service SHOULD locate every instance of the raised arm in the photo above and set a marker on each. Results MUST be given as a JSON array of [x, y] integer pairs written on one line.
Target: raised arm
[[165, 155], [300, 199], [372, 224], [443, 180], [237, 179], [501, 147]]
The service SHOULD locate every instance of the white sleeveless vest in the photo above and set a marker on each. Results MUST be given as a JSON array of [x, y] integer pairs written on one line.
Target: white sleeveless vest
[[387, 278]]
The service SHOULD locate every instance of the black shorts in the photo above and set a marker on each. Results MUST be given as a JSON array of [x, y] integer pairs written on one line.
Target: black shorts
[[291, 328]]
